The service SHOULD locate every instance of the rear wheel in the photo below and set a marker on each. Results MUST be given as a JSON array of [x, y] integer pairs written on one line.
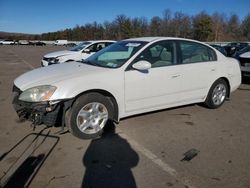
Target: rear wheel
[[217, 94], [88, 115]]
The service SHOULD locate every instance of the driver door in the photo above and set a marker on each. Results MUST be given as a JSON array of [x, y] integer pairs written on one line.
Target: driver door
[[158, 86]]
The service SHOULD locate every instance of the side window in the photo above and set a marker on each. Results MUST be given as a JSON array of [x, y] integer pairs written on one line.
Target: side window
[[159, 54], [93, 48], [192, 52], [96, 47], [100, 46]]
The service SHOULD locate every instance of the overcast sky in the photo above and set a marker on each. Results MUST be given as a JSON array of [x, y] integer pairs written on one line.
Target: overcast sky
[[40, 16]]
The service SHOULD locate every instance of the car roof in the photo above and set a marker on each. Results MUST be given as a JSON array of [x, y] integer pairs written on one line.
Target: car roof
[[151, 39], [94, 41]]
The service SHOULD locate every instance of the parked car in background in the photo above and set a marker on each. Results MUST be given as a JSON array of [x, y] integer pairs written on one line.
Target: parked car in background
[[37, 43], [76, 53], [61, 42], [71, 44], [244, 58], [233, 47], [7, 42], [129, 77], [23, 42], [219, 48]]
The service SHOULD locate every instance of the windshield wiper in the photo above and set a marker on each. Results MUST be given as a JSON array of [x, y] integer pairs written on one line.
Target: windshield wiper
[[94, 64], [89, 62]]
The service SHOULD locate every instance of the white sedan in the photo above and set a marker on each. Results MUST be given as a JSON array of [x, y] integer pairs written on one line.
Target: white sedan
[[130, 77], [77, 53]]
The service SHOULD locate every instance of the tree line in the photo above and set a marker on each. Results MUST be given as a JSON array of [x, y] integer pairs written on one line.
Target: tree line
[[202, 26]]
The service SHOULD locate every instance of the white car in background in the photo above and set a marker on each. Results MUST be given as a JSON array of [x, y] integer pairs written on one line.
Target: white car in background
[[7, 42], [23, 42], [77, 53], [129, 77], [61, 42]]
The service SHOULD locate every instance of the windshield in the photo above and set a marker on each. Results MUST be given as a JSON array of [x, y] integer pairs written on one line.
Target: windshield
[[115, 55], [244, 50], [79, 46]]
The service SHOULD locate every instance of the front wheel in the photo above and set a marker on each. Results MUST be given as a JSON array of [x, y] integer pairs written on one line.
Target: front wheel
[[88, 115], [217, 94]]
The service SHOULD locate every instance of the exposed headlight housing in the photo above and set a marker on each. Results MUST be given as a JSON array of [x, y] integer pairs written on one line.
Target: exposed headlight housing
[[53, 60], [37, 94], [56, 60]]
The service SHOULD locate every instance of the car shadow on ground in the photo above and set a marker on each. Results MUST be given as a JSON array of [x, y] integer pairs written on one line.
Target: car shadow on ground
[[108, 161], [21, 163]]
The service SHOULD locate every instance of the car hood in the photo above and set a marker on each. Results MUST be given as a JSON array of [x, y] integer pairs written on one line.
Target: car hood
[[55, 73], [59, 53], [245, 55]]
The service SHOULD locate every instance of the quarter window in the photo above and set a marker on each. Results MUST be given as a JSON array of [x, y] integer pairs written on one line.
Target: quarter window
[[194, 52]]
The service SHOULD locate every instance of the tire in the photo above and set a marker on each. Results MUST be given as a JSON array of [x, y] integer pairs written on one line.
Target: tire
[[217, 94], [88, 116]]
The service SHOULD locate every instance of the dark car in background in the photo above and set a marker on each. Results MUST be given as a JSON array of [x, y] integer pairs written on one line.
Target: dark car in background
[[37, 43], [219, 48], [233, 47], [243, 56]]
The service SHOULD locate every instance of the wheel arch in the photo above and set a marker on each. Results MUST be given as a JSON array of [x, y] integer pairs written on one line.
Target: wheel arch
[[228, 85], [110, 97], [209, 101]]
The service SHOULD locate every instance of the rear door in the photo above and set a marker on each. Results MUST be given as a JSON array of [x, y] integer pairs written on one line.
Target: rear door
[[199, 67]]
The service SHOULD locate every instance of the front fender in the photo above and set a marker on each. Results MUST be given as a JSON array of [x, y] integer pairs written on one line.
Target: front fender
[[72, 88]]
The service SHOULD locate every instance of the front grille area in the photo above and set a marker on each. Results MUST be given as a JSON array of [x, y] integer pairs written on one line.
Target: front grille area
[[49, 59], [16, 92]]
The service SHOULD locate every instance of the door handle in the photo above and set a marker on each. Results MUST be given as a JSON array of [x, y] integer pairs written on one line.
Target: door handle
[[212, 70], [176, 76]]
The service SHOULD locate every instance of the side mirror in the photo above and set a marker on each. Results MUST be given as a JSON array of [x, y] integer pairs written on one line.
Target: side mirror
[[142, 65], [86, 51]]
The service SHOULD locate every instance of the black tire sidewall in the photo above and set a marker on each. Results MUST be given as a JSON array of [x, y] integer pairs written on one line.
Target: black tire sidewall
[[78, 105], [209, 101]]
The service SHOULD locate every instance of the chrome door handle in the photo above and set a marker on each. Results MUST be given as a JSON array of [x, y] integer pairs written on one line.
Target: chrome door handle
[[176, 76]]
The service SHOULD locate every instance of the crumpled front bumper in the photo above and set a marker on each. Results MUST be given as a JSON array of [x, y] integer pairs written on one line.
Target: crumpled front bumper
[[47, 63], [48, 113]]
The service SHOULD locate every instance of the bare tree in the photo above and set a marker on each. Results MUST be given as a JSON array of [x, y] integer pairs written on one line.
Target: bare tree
[[233, 27], [202, 26], [155, 26], [219, 25], [181, 25], [139, 27], [166, 29], [245, 27]]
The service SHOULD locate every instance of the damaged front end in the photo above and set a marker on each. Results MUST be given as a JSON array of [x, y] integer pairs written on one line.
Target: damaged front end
[[49, 113]]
